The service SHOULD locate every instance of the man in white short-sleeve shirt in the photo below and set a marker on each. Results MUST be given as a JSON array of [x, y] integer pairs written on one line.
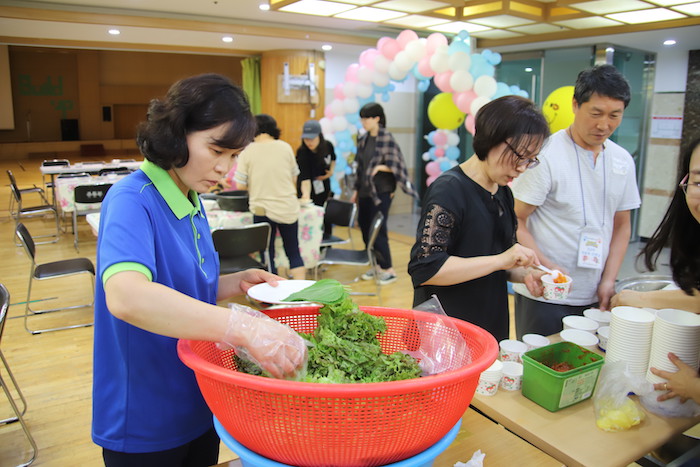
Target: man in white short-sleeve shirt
[[574, 209]]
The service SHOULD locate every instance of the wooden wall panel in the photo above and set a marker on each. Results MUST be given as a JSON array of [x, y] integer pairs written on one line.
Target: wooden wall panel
[[291, 116]]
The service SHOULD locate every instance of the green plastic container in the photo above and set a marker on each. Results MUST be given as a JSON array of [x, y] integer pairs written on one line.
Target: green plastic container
[[553, 389]]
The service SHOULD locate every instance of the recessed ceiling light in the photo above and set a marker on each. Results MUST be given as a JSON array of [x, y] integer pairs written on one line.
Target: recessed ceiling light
[[114, 32], [264, 6], [528, 69], [326, 47], [227, 39], [670, 42]]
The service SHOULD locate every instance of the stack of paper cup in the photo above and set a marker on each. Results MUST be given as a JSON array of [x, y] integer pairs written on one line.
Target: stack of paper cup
[[490, 379], [630, 338], [512, 376], [511, 350], [675, 331]]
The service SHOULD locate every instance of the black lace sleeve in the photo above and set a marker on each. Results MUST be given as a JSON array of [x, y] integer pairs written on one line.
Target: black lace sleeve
[[431, 249]]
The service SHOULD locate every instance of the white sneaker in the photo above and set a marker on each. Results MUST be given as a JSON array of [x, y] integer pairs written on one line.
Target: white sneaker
[[368, 276], [387, 278]]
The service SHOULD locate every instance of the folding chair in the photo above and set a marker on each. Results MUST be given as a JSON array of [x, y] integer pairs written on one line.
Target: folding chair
[[342, 213], [39, 210], [4, 306], [53, 270], [364, 257], [24, 191], [87, 194], [236, 245]]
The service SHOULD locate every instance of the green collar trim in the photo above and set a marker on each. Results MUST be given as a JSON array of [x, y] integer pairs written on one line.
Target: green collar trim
[[180, 205]]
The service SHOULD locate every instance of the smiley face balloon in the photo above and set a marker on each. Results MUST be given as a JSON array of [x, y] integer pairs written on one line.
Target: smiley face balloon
[[557, 108]]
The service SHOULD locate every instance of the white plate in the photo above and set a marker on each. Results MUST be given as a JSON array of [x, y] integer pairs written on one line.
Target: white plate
[[275, 295]]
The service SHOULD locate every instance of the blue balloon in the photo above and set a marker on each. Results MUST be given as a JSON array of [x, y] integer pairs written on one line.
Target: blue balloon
[[340, 164], [523, 93], [464, 35], [514, 89], [341, 135], [423, 85], [452, 153], [430, 137], [458, 46], [445, 165], [335, 186], [495, 58], [502, 89], [353, 118], [431, 151]]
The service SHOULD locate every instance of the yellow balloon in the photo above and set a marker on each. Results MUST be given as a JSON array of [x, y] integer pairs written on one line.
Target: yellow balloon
[[557, 108], [443, 113]]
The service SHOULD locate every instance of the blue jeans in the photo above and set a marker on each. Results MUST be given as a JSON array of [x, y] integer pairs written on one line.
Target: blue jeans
[[290, 242]]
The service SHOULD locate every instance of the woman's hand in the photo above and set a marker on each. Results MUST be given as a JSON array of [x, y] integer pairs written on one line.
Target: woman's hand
[[533, 282], [239, 282], [518, 255], [684, 383]]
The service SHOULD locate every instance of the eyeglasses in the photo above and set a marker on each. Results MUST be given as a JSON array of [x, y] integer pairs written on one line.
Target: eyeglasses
[[691, 189], [528, 162]]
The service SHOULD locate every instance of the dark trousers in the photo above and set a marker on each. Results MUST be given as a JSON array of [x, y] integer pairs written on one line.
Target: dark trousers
[[201, 452], [535, 317], [366, 212], [290, 242]]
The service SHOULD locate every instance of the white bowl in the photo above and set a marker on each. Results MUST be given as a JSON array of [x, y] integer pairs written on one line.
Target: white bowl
[[579, 322], [601, 317], [535, 341], [582, 338], [633, 314], [603, 335]]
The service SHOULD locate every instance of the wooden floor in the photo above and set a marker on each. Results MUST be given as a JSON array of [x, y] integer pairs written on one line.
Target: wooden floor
[[54, 370]]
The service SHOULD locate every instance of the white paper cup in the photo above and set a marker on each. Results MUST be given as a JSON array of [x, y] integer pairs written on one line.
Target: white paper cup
[[579, 322], [603, 335], [599, 316], [535, 341], [512, 376], [553, 290], [511, 350], [582, 338]]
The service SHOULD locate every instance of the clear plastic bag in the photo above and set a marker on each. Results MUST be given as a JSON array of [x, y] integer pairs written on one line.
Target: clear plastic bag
[[442, 347], [614, 409]]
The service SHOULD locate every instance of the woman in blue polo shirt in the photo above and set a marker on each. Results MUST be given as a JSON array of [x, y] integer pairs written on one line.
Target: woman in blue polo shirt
[[158, 280]]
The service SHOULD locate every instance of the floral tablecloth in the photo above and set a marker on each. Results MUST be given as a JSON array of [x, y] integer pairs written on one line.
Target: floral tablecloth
[[66, 186]]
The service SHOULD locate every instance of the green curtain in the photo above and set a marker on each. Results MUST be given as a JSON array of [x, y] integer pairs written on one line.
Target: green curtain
[[251, 82]]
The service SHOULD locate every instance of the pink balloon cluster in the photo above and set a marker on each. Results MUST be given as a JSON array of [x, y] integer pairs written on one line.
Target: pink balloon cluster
[[442, 155]]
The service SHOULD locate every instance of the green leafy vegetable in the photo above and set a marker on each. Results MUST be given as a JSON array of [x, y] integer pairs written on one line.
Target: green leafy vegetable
[[345, 348]]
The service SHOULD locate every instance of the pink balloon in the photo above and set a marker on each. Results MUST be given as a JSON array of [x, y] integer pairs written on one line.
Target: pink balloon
[[405, 37], [367, 58], [430, 180], [424, 67], [440, 138], [442, 81], [338, 91], [434, 41], [463, 100], [433, 168], [439, 152], [351, 73], [327, 112], [469, 124], [389, 48]]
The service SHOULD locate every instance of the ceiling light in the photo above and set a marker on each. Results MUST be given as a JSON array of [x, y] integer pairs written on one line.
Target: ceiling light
[[327, 47], [646, 16], [316, 7], [374, 15], [114, 32], [456, 26], [264, 6], [528, 70], [227, 39], [670, 42]]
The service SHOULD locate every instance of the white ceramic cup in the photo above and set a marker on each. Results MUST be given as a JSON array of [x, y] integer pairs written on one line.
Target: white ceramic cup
[[579, 322], [512, 376], [535, 341], [511, 350]]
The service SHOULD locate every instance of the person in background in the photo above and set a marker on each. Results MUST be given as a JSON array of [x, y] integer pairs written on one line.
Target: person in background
[[316, 161], [574, 210], [380, 166], [679, 229], [268, 169], [158, 281], [465, 250]]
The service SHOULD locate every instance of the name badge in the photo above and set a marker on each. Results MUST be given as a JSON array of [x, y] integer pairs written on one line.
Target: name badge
[[590, 249], [318, 187]]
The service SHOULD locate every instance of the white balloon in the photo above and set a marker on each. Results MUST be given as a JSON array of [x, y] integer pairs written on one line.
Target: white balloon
[[485, 86], [459, 61], [337, 107], [461, 80], [416, 49], [478, 103], [396, 73], [340, 123], [364, 90], [403, 61], [326, 126], [380, 79], [350, 89], [452, 139], [426, 156], [364, 75], [351, 105], [439, 62], [352, 129], [381, 64]]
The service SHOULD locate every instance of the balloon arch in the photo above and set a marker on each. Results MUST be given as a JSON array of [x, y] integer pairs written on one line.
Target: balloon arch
[[465, 79]]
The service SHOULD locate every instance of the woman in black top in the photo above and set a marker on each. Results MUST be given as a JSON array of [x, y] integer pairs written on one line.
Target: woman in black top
[[466, 250], [316, 161]]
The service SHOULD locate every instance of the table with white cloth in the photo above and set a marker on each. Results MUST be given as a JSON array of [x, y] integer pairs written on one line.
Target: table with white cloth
[[88, 167], [66, 186], [310, 230]]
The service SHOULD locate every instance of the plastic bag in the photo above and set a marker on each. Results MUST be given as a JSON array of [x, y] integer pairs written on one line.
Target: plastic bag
[[477, 460], [614, 409], [442, 347]]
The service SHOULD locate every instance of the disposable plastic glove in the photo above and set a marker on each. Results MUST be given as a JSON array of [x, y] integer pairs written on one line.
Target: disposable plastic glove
[[273, 346]]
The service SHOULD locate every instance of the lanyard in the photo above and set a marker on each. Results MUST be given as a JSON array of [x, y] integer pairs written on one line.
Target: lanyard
[[580, 179]]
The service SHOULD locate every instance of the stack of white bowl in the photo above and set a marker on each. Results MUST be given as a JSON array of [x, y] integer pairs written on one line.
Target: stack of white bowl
[[630, 338], [675, 331]]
